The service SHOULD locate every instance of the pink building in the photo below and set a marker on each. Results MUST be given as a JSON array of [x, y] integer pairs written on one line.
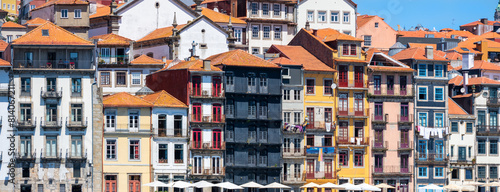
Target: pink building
[[391, 99], [375, 32]]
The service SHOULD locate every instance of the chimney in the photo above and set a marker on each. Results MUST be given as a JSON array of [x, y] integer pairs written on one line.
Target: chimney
[[198, 6], [484, 21], [206, 65], [467, 61], [429, 52], [466, 81], [307, 25], [315, 32]]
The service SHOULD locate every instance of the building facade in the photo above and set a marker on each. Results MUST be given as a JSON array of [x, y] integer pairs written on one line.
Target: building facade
[[5, 126], [339, 15], [375, 32]]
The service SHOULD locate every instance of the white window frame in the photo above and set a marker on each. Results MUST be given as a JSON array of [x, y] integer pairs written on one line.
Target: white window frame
[[336, 18], [264, 32], [130, 127], [322, 15], [253, 32], [310, 17], [444, 172], [274, 10], [64, 13], [344, 17], [106, 150], [277, 35], [364, 40], [132, 78], [110, 112], [435, 88], [139, 148], [426, 93], [78, 13], [265, 13], [237, 34]]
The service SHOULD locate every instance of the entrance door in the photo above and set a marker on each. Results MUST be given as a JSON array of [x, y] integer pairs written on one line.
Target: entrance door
[[134, 183], [110, 184], [76, 188], [310, 115]]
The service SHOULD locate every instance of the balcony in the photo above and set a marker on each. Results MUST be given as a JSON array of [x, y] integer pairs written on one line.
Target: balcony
[[320, 175], [76, 125], [198, 145], [290, 179], [28, 156], [380, 118], [52, 64], [396, 91], [51, 93], [353, 84], [356, 141], [294, 152], [462, 160], [28, 125], [406, 146], [76, 156], [292, 129], [53, 157], [405, 119], [113, 60], [314, 151], [318, 125], [126, 128], [353, 113], [210, 172], [493, 101], [379, 145], [391, 170], [488, 130], [221, 119], [206, 94], [431, 158], [51, 125]]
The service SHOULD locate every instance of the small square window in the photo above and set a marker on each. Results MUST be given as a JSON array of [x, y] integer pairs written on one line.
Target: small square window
[[376, 25], [45, 32]]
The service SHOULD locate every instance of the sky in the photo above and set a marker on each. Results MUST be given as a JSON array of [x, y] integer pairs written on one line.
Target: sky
[[431, 14]]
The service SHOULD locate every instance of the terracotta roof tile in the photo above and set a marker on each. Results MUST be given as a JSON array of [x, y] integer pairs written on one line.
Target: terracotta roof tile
[[417, 54], [4, 63], [327, 35], [240, 58], [454, 108], [36, 22], [57, 36], [195, 65], [220, 17], [12, 25], [463, 96], [3, 45], [444, 34], [301, 56], [62, 2], [453, 56], [211, 1], [458, 81], [163, 99], [363, 19], [283, 61], [391, 69], [146, 60], [421, 45], [478, 23], [160, 33], [483, 65], [124, 99], [350, 61], [112, 40], [103, 11]]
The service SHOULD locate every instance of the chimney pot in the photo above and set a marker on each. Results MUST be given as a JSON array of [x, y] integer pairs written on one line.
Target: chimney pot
[[467, 61], [429, 52], [484, 21], [315, 32], [206, 65]]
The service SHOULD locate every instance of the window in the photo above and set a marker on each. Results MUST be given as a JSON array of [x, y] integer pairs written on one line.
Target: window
[[286, 117], [51, 146], [310, 140], [134, 183], [454, 173], [255, 31], [277, 32], [251, 81], [438, 71], [197, 112], [481, 147], [78, 13], [62, 187], [28, 56], [262, 134], [358, 158], [422, 119], [470, 152], [468, 173], [376, 24], [252, 108], [134, 150], [368, 40], [64, 13], [251, 157], [469, 128], [310, 86], [327, 84], [136, 78], [77, 170], [40, 188], [105, 78], [321, 16], [230, 108], [110, 149], [344, 158], [422, 93], [438, 172], [263, 109], [296, 118], [26, 84], [493, 172], [422, 70], [76, 112], [481, 172], [110, 119], [353, 49], [255, 8], [422, 172], [276, 9], [297, 171], [178, 125], [121, 78], [237, 35], [267, 31], [493, 147], [263, 158], [454, 126], [349, 49], [163, 153], [265, 9], [255, 50], [438, 94], [452, 150], [25, 113], [76, 86], [296, 95], [9, 38], [346, 17], [25, 148], [51, 84], [51, 113], [439, 120], [133, 120], [76, 145], [334, 17], [179, 153], [310, 16], [328, 115]]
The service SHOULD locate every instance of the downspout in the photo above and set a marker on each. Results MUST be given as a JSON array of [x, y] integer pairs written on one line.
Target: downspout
[[151, 175]]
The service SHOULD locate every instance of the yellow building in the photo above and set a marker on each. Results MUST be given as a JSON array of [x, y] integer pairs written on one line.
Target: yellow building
[[127, 143], [10, 6], [343, 53]]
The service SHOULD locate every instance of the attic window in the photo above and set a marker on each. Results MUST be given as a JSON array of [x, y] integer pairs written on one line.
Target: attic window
[[45, 32], [464, 49]]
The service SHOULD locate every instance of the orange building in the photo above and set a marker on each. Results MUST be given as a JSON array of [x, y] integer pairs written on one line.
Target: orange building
[[375, 32]]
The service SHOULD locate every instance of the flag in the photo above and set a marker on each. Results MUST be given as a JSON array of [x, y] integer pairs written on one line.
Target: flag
[[320, 155]]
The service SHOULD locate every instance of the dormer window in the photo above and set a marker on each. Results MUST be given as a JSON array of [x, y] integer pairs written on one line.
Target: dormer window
[[45, 32], [64, 13]]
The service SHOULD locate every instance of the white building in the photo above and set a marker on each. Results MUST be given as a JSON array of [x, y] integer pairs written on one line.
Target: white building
[[5, 129], [53, 76], [337, 14], [10, 31]]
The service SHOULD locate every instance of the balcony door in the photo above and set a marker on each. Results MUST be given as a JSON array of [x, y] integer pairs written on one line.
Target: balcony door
[[134, 183], [197, 138], [310, 168], [216, 86], [343, 75], [358, 104], [343, 132], [377, 81], [216, 166], [216, 139], [379, 163], [358, 76], [196, 85], [343, 104], [310, 114], [404, 164], [328, 168], [461, 153]]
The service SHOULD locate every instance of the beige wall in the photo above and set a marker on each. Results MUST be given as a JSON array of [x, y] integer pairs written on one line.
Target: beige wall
[[383, 37]]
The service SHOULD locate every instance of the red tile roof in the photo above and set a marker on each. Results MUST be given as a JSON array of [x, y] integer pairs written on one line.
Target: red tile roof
[[417, 54], [463, 96], [453, 56], [12, 25], [328, 34], [57, 36], [4, 63], [363, 19], [112, 40], [62, 2], [301, 56], [240, 58], [478, 23], [483, 65], [220, 17], [194, 65], [124, 99], [284, 61], [146, 60], [104, 10], [421, 45], [3, 45], [458, 81], [160, 33], [391, 69], [163, 99], [444, 34], [454, 108], [36, 22]]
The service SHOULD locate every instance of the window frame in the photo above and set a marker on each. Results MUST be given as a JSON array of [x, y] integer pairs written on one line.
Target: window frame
[[77, 13], [309, 16], [369, 40], [441, 171], [348, 14], [422, 172], [115, 149], [336, 14], [138, 148], [313, 86], [442, 94], [426, 93], [64, 13], [268, 33], [322, 16], [325, 87]]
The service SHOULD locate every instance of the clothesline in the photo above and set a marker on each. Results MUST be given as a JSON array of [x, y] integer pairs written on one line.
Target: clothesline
[[427, 132]]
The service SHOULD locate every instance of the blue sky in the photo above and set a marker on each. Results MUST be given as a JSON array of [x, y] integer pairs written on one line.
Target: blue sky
[[429, 13]]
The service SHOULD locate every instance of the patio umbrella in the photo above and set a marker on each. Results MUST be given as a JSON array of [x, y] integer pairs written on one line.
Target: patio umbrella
[[368, 187], [182, 184], [352, 187], [157, 184], [452, 187], [203, 184], [432, 187], [310, 185], [331, 185], [474, 183], [275, 185], [468, 188], [251, 185], [384, 186], [228, 185]]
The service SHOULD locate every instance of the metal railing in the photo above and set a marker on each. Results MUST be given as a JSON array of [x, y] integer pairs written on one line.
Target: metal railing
[[28, 124], [220, 145], [319, 175], [127, 127], [382, 118], [379, 144], [488, 129], [209, 171], [405, 145], [405, 119], [395, 91], [431, 156], [208, 119], [45, 156], [117, 59], [52, 93], [76, 124], [318, 125], [203, 93], [353, 112], [294, 152], [52, 64], [26, 156], [51, 124], [69, 155], [353, 83], [353, 141], [392, 169]]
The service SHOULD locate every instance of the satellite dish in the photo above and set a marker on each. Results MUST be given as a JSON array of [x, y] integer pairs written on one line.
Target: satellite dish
[[334, 85], [462, 90]]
